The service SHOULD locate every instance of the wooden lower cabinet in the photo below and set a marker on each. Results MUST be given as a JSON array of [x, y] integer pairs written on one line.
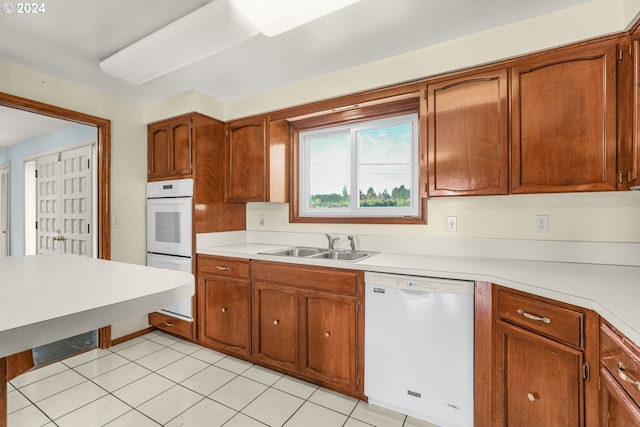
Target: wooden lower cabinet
[[304, 321], [275, 324], [172, 325], [619, 378], [307, 321], [618, 409], [543, 355], [224, 304], [329, 338], [541, 380]]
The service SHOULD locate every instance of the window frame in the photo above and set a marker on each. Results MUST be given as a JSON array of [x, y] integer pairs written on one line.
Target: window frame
[[352, 133], [352, 116]]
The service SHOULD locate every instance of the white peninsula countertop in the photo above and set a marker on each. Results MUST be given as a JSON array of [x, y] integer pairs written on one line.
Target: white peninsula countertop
[[613, 291], [48, 298]]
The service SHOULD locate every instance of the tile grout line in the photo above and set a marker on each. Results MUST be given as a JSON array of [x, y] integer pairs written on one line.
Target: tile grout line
[[174, 383]]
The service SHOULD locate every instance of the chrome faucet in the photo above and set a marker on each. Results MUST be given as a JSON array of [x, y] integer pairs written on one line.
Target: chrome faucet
[[352, 242], [331, 239]]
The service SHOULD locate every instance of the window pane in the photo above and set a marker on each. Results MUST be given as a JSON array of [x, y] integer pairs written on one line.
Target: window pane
[[329, 171], [384, 169]]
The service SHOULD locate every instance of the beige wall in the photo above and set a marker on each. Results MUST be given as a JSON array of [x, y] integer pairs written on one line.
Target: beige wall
[[606, 217], [583, 217], [581, 22], [598, 217], [128, 156]]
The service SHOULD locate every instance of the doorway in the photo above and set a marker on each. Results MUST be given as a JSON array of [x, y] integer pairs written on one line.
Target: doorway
[[103, 174], [5, 200], [65, 202]]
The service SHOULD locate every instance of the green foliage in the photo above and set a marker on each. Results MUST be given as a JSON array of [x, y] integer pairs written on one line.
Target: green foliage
[[400, 196]]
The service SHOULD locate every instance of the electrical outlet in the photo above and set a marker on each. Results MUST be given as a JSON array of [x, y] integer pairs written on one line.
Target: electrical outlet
[[116, 221], [262, 218], [541, 223], [452, 224]]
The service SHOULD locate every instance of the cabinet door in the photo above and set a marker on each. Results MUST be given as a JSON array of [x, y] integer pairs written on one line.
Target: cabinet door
[[564, 121], [328, 331], [225, 313], [275, 324], [540, 381], [180, 133], [468, 135], [169, 149], [247, 160], [158, 152], [618, 408]]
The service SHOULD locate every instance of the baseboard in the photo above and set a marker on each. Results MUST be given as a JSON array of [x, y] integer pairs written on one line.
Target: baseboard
[[133, 335]]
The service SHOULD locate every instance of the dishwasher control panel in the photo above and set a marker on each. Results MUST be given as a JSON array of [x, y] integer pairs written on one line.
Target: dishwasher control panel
[[417, 283]]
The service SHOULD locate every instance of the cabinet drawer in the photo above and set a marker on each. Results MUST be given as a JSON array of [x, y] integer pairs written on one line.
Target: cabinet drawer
[[621, 360], [221, 266], [320, 278], [553, 321], [171, 324]]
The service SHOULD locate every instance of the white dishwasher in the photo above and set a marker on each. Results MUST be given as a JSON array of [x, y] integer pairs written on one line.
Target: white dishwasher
[[419, 347]]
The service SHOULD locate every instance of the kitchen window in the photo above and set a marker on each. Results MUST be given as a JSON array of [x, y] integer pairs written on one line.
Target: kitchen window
[[367, 169]]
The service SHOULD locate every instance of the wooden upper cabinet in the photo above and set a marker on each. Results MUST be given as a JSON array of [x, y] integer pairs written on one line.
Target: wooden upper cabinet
[[468, 135], [169, 152], [280, 135], [158, 152], [564, 121], [247, 160]]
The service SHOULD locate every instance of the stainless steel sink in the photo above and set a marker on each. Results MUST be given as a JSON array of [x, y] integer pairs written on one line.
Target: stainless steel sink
[[295, 252], [345, 256], [319, 253]]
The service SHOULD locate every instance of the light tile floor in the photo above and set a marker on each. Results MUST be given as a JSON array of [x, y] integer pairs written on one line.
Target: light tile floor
[[158, 379]]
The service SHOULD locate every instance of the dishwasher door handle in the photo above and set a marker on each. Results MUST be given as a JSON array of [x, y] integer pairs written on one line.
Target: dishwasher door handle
[[409, 293]]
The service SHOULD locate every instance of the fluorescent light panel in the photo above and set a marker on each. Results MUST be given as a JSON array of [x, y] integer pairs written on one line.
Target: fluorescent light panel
[[273, 17], [212, 28]]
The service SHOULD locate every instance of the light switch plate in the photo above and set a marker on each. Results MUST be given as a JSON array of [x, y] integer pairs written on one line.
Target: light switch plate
[[452, 224]]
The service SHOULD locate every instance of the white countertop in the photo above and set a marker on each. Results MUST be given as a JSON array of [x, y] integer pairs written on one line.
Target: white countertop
[[613, 291], [48, 298]]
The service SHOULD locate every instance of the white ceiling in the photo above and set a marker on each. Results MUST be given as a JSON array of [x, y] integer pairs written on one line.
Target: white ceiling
[[17, 126], [72, 37]]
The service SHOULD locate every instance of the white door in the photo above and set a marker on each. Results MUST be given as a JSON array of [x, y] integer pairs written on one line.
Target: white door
[[5, 197], [48, 204], [64, 203]]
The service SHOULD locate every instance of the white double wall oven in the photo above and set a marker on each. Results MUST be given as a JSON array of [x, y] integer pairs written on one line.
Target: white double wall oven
[[169, 233]]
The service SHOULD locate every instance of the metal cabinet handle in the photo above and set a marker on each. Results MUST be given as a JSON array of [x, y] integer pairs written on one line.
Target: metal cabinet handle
[[622, 373], [275, 322], [327, 334], [531, 397], [169, 324], [220, 267], [533, 316], [224, 309]]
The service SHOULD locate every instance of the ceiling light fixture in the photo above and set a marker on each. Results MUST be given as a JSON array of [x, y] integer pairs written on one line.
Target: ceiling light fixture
[[209, 29], [277, 16], [212, 28]]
